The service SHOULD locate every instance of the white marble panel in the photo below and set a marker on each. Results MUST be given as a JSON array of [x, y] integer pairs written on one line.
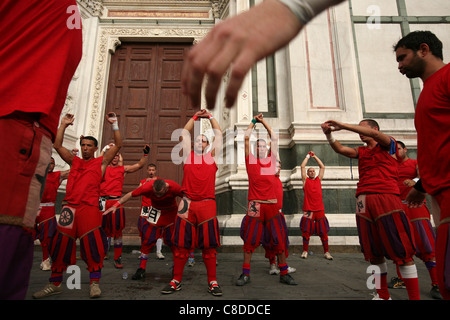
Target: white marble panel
[[372, 8], [385, 89], [428, 8]]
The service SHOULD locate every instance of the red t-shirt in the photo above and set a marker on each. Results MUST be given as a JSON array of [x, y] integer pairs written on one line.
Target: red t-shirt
[[378, 170], [432, 121], [83, 183], [112, 182], [38, 56], [199, 177], [146, 201], [51, 187], [279, 192], [165, 202], [261, 173], [406, 170], [312, 201]]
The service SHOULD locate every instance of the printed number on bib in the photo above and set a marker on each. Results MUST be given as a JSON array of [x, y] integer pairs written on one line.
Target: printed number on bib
[[145, 211], [153, 215]]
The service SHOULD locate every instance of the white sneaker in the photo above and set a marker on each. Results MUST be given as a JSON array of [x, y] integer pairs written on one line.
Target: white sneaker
[[328, 256], [274, 269], [46, 265], [291, 270], [304, 254], [160, 256]]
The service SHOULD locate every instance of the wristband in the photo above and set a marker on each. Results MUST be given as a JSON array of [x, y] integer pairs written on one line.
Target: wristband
[[306, 10], [254, 121], [418, 186], [330, 138], [115, 126], [117, 204], [210, 117], [195, 117], [308, 156]]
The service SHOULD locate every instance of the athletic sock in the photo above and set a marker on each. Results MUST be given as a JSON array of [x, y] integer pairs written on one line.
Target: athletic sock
[[143, 261], [56, 278], [180, 258], [382, 288], [283, 268], [209, 258], [246, 268], [431, 266], [117, 248], [45, 253], [305, 244], [409, 276]]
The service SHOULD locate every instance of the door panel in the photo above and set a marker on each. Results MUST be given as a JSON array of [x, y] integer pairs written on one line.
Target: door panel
[[144, 90]]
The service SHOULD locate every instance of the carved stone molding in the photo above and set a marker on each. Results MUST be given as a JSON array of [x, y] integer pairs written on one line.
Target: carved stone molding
[[219, 7], [94, 7], [109, 39]]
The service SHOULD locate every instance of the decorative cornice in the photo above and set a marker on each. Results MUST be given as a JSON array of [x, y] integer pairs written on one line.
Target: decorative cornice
[[219, 7], [109, 39], [94, 7]]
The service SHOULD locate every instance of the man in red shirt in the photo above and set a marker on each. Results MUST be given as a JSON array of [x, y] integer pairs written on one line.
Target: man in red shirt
[[160, 215], [143, 224], [419, 54], [263, 223], [313, 220], [39, 54], [270, 253], [111, 190], [45, 226], [196, 224], [424, 234], [383, 227], [80, 218]]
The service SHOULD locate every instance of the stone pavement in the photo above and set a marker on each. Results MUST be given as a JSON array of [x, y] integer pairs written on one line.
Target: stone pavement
[[343, 278]]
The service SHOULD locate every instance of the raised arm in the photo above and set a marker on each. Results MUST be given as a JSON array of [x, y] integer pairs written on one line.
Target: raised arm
[[64, 153], [321, 165], [109, 156], [139, 165], [377, 135], [336, 145], [272, 134], [247, 135], [186, 138], [303, 168], [218, 138]]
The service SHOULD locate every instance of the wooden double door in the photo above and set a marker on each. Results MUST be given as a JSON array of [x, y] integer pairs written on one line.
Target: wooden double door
[[144, 90]]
